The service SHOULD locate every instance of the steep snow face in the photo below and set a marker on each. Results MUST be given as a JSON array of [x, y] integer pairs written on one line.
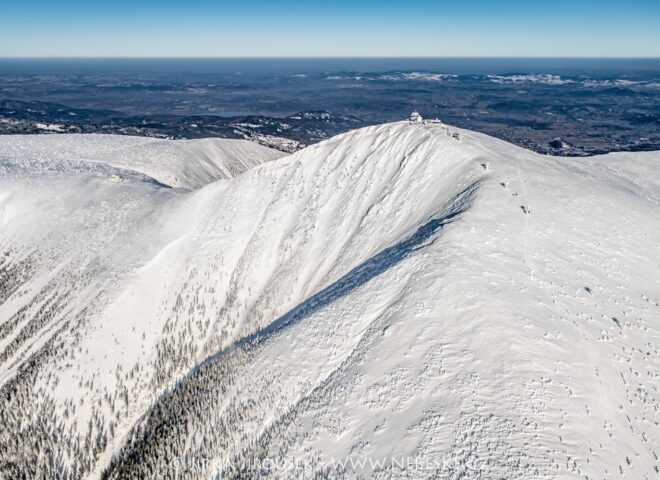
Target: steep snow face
[[177, 163], [74, 232], [392, 303]]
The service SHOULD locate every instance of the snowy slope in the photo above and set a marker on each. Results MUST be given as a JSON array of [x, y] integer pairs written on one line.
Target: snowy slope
[[391, 303], [177, 163]]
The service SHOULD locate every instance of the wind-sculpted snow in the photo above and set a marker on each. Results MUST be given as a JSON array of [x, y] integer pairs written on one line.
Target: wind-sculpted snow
[[395, 302], [176, 163]]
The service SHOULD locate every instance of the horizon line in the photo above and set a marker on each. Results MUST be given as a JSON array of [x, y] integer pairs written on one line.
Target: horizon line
[[312, 57]]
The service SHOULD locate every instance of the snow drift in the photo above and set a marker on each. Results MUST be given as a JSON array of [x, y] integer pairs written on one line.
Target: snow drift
[[394, 302], [177, 163]]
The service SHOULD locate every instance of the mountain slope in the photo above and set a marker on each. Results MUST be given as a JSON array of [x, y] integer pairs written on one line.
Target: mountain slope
[[178, 163], [391, 303]]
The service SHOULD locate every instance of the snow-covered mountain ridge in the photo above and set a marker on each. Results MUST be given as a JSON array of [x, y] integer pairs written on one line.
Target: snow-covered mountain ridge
[[177, 163], [391, 293]]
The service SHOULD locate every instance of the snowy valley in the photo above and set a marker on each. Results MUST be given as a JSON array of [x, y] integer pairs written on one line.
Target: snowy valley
[[393, 302]]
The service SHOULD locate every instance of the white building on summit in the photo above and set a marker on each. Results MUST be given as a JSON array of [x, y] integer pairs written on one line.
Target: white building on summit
[[415, 117]]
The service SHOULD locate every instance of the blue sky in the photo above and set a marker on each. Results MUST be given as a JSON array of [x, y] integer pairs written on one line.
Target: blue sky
[[166, 28]]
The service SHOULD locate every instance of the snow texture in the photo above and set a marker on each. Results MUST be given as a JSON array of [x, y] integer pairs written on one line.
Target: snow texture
[[181, 163], [394, 302]]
